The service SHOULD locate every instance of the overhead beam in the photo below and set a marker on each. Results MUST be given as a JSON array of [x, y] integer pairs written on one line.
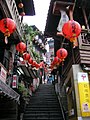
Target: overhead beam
[[59, 5]]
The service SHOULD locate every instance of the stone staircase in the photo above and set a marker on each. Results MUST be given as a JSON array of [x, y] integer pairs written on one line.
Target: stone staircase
[[43, 105]]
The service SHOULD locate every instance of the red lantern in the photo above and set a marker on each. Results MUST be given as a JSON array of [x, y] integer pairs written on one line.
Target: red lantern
[[41, 64], [56, 60], [30, 61], [62, 53], [20, 5], [7, 26], [71, 30], [37, 66], [21, 47], [26, 56], [34, 63]]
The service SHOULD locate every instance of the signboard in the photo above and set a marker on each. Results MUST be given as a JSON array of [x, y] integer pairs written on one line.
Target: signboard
[[3, 74], [84, 93], [14, 82]]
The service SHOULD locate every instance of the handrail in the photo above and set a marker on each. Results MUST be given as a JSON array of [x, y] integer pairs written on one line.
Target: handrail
[[59, 96], [63, 114]]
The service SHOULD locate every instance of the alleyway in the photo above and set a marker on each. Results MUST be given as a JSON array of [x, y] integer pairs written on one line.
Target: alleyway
[[43, 105]]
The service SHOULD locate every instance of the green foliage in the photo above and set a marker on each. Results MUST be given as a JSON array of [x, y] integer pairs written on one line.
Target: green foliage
[[23, 90], [30, 34], [29, 30]]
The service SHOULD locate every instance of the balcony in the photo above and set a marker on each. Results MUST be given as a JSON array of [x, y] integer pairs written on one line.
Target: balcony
[[84, 40], [84, 47]]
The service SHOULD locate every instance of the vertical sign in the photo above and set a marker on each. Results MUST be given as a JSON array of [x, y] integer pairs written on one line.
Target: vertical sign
[[14, 82], [3, 74], [84, 93]]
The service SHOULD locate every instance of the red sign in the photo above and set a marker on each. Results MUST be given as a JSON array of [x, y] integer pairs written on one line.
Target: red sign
[[14, 83]]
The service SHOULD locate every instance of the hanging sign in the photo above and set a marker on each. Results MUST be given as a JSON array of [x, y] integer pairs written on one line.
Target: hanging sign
[[3, 74], [14, 82], [84, 93], [63, 19]]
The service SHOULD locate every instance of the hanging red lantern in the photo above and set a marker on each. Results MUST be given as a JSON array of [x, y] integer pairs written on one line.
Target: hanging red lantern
[[41, 64], [21, 47], [37, 66], [26, 56], [7, 26], [30, 61], [56, 60], [34, 63], [62, 53], [71, 30], [20, 5]]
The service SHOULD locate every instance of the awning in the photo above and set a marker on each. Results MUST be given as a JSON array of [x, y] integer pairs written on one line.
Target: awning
[[7, 91], [27, 70]]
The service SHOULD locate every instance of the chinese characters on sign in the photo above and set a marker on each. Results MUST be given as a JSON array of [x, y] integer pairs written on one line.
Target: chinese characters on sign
[[3, 74], [84, 93], [14, 83]]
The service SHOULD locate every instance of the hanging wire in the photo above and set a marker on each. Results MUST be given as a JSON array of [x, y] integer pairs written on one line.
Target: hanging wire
[[73, 58], [62, 42]]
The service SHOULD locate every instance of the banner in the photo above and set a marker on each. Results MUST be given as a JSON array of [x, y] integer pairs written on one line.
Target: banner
[[84, 93], [63, 19], [14, 82]]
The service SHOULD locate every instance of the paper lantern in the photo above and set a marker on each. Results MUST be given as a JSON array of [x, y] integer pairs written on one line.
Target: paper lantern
[[26, 56], [34, 63], [71, 30], [56, 60], [41, 64], [30, 61], [7, 26], [37, 66], [20, 5], [21, 47], [62, 53]]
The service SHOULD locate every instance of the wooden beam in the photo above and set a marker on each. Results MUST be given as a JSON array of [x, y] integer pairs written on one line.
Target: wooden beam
[[85, 18], [60, 5]]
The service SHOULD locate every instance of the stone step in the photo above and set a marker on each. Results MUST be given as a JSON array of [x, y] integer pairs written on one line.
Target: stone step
[[43, 105]]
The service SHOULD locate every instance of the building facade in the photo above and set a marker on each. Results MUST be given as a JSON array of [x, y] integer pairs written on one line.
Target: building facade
[[71, 76]]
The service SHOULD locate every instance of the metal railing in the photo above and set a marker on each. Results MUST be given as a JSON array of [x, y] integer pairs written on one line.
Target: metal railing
[[59, 99], [63, 114]]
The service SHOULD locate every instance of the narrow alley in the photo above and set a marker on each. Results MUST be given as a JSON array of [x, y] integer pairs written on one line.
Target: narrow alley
[[45, 74]]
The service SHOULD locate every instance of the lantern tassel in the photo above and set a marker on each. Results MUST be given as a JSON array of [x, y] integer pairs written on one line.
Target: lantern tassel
[[6, 40], [6, 34], [62, 62], [74, 41]]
